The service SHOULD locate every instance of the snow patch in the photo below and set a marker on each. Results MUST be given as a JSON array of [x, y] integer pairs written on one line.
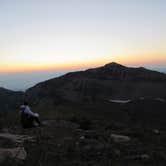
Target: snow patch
[[120, 101]]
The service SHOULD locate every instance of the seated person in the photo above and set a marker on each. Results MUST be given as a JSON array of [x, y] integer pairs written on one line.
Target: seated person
[[28, 118]]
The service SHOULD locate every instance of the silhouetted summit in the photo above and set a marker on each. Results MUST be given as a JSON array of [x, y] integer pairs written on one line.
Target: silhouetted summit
[[111, 81], [119, 72], [113, 64]]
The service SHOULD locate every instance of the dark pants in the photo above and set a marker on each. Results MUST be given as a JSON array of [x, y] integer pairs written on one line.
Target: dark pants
[[35, 119], [28, 121]]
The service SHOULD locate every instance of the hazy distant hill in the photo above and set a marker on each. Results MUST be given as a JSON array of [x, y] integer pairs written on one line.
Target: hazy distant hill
[[9, 100], [112, 81]]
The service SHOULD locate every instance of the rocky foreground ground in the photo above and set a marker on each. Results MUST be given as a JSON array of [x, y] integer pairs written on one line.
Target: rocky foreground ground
[[86, 143]]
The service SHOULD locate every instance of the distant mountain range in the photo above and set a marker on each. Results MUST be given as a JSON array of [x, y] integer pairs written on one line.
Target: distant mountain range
[[111, 81], [159, 69]]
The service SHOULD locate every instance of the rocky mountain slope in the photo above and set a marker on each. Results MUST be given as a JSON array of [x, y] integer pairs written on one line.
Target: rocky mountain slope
[[112, 81], [109, 82]]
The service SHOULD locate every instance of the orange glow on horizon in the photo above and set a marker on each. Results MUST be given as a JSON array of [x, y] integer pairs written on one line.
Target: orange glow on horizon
[[126, 60], [52, 67]]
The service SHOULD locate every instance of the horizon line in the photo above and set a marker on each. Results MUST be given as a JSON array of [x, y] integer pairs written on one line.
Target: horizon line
[[76, 66]]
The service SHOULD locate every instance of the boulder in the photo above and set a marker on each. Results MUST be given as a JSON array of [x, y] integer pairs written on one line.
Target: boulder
[[17, 139], [11, 147], [17, 154]]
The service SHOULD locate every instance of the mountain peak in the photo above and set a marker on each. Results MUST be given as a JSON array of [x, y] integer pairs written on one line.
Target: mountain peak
[[113, 64]]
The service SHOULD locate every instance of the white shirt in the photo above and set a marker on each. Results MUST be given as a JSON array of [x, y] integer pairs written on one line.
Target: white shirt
[[27, 110]]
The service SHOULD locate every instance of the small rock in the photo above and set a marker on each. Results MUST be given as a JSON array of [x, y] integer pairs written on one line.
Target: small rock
[[91, 134], [82, 137], [59, 145], [77, 143], [155, 131], [145, 156], [160, 99], [120, 138]]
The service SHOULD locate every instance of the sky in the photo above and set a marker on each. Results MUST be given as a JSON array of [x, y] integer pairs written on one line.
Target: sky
[[40, 39]]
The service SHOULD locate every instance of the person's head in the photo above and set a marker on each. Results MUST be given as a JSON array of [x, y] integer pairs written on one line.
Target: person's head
[[25, 103]]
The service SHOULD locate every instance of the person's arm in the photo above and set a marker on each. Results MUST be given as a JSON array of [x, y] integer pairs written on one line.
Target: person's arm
[[29, 112]]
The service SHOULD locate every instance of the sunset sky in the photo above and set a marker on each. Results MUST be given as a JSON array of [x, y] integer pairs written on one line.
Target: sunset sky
[[48, 34], [57, 35]]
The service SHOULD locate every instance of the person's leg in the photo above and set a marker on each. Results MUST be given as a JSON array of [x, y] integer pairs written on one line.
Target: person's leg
[[36, 119], [30, 122], [25, 121]]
